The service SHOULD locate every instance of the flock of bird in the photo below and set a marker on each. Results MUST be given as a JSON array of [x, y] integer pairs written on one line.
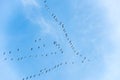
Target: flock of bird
[[38, 47], [62, 25], [38, 55], [46, 70]]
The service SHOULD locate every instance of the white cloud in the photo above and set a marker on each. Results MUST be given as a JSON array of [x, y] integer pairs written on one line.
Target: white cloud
[[112, 66], [30, 3], [112, 58], [47, 28], [8, 72], [33, 13]]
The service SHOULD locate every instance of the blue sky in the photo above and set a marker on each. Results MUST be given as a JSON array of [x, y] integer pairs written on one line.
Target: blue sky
[[92, 25]]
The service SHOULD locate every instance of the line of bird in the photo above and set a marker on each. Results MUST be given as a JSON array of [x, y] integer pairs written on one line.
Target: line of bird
[[30, 56], [58, 46], [18, 49], [47, 70], [60, 49], [34, 55], [60, 23]]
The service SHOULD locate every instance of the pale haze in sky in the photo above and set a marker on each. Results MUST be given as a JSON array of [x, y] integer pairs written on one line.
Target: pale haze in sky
[[59, 40]]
